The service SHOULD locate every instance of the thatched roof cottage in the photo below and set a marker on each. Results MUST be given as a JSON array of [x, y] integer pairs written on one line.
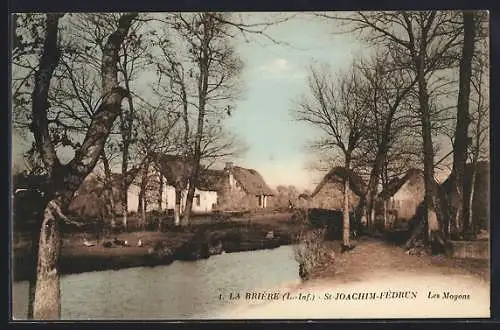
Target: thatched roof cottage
[[403, 195], [481, 198], [206, 193], [406, 194], [329, 193], [232, 188], [243, 188]]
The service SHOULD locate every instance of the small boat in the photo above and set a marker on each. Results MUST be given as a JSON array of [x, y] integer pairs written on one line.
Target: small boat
[[139, 243]]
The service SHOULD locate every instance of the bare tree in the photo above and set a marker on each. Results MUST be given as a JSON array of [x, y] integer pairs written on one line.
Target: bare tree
[[215, 72], [461, 130], [336, 109], [156, 134], [427, 41], [65, 179], [389, 85], [133, 59], [479, 128]]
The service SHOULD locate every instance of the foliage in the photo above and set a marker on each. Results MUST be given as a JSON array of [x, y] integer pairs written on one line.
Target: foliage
[[310, 250]]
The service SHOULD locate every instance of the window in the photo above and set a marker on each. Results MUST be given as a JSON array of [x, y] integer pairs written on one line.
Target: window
[[197, 200]]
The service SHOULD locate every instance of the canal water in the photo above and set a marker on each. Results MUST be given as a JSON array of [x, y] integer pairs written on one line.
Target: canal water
[[181, 290]]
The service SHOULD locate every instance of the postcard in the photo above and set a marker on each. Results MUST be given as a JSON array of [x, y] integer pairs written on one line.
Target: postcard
[[250, 165]]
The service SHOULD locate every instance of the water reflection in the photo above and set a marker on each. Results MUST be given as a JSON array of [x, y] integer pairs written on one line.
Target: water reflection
[[182, 290]]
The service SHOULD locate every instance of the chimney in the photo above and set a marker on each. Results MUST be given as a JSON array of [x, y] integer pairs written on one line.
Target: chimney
[[229, 165]]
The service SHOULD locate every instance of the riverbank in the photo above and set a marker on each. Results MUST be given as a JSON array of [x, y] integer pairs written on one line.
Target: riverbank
[[262, 231]]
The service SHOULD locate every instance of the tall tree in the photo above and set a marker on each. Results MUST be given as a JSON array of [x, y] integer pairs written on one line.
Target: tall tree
[[133, 59], [389, 86], [215, 72], [426, 40], [460, 145], [65, 179], [479, 128], [337, 110]]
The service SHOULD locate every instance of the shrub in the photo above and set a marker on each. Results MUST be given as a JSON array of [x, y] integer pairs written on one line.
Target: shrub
[[310, 250], [299, 216]]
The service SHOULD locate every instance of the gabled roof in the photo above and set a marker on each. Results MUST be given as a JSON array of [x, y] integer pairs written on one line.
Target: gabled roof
[[251, 181], [412, 176], [338, 175]]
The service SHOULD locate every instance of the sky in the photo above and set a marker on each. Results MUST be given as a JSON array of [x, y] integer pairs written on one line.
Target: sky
[[276, 76]]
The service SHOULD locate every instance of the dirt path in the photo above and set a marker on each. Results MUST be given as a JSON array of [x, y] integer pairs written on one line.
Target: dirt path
[[376, 258], [377, 280]]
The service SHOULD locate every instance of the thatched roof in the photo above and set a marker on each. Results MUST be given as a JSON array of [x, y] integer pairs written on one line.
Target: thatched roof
[[175, 168], [338, 175], [90, 199], [251, 181], [211, 180], [412, 176]]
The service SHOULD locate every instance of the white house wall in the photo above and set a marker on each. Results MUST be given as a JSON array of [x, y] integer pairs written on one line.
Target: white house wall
[[133, 198], [207, 199]]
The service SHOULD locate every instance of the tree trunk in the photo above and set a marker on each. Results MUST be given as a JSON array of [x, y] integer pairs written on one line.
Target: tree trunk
[[142, 194], [160, 202], [140, 203], [385, 214], [434, 213], [189, 204], [177, 207], [470, 224], [371, 190], [381, 156], [112, 207], [126, 126], [46, 296], [144, 212], [475, 158], [47, 304], [124, 205], [346, 220], [160, 193], [35, 237], [108, 184], [462, 125], [429, 182], [204, 72], [347, 230], [66, 179]]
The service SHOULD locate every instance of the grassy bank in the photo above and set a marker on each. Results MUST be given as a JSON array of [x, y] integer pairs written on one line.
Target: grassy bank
[[160, 248]]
